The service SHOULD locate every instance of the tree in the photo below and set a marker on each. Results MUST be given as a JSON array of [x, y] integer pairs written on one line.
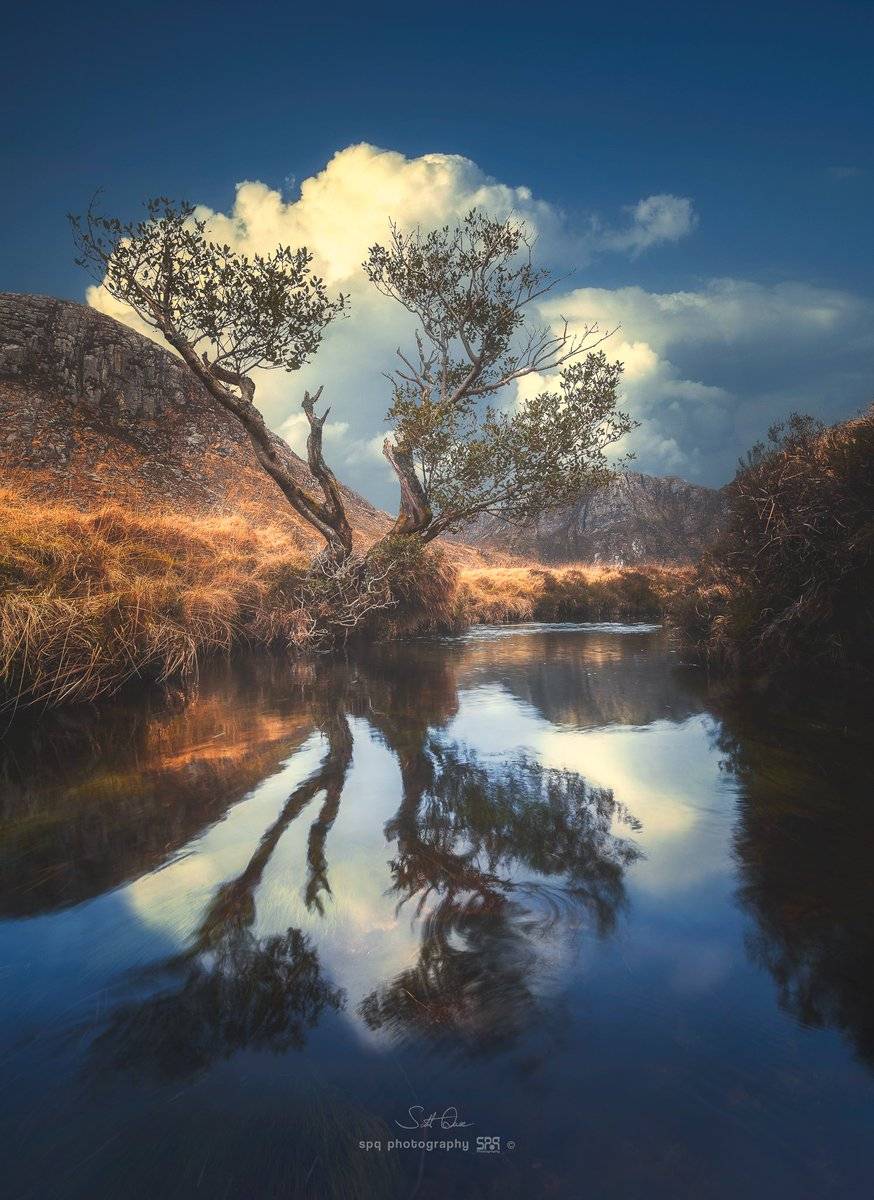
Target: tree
[[456, 454], [226, 315]]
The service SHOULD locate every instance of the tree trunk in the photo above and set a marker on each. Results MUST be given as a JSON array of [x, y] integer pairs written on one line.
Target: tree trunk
[[328, 519], [321, 472], [414, 513]]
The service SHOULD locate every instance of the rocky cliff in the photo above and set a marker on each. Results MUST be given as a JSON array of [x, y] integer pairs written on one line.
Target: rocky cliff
[[637, 518], [91, 411]]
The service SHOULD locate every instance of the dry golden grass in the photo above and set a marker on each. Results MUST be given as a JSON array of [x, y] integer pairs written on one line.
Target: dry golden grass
[[89, 600], [573, 592]]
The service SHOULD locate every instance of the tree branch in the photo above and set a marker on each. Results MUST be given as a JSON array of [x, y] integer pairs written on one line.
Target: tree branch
[[335, 531], [320, 469]]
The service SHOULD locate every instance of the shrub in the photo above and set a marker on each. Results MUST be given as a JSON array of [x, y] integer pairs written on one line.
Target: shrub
[[789, 584]]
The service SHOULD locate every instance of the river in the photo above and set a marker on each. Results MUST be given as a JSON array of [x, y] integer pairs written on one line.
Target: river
[[531, 912]]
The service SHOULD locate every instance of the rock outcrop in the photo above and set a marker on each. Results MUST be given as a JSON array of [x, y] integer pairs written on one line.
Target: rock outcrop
[[637, 518], [92, 411]]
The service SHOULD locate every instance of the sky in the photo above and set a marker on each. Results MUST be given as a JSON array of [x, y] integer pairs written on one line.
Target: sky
[[701, 176]]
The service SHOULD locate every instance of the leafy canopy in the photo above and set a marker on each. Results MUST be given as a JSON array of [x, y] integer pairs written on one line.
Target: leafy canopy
[[470, 288], [264, 312]]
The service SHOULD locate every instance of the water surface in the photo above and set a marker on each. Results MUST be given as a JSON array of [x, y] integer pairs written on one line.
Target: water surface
[[539, 876]]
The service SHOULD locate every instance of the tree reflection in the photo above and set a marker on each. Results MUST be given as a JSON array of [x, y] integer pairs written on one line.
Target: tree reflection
[[495, 860], [252, 993], [498, 862], [805, 841], [334, 777], [232, 989]]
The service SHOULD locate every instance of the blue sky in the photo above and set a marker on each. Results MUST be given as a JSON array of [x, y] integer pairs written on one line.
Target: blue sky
[[757, 117]]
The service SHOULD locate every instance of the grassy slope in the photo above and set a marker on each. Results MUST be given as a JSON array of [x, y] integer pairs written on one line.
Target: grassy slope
[[88, 600]]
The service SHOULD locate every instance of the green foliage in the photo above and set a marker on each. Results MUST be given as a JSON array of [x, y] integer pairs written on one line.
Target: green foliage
[[468, 287], [268, 311], [535, 457], [459, 454]]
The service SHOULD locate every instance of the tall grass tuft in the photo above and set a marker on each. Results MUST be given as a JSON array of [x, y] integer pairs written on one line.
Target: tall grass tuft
[[89, 600], [423, 586]]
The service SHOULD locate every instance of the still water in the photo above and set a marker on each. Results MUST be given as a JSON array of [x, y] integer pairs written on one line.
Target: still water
[[617, 935]]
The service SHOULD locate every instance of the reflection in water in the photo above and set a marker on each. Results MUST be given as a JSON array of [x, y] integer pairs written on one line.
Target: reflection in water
[[260, 993], [237, 989], [494, 857], [598, 680], [503, 854], [92, 798], [412, 870], [805, 840]]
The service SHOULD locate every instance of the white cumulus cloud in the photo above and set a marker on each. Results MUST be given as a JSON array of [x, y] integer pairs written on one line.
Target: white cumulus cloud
[[707, 371], [704, 367], [662, 218]]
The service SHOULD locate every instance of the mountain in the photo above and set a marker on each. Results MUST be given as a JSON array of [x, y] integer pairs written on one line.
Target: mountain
[[636, 518], [91, 412]]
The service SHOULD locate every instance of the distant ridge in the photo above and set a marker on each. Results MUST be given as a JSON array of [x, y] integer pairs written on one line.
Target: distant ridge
[[637, 518]]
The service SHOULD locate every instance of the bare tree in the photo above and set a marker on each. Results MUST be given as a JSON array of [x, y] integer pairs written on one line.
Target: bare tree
[[455, 454], [226, 315]]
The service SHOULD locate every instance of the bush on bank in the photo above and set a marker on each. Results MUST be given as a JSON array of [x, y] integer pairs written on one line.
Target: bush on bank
[[789, 586], [577, 592]]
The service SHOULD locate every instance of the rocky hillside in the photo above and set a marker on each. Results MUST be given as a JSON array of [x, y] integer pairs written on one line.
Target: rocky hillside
[[91, 411], [638, 518]]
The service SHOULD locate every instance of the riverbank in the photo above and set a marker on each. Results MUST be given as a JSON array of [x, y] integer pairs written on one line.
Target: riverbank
[[92, 600], [571, 592]]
